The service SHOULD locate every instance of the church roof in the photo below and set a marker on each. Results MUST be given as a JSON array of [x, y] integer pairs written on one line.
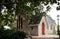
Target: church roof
[[36, 19], [50, 20]]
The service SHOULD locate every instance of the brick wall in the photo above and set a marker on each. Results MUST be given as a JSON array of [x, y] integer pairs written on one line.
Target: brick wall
[[25, 26], [34, 30]]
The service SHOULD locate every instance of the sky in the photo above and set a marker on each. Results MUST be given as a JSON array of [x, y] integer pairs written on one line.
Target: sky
[[53, 13]]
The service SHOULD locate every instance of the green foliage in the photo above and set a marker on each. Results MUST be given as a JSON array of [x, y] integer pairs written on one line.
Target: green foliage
[[11, 34], [21, 8], [58, 27], [58, 8], [7, 18], [21, 4], [48, 8]]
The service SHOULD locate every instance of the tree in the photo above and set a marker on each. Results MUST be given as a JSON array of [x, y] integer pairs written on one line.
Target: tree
[[23, 7]]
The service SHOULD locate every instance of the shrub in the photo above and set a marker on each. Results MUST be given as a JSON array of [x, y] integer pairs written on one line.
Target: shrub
[[11, 34]]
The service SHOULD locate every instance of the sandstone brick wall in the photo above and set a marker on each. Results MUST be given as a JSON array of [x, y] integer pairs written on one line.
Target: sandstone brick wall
[[34, 31], [25, 26]]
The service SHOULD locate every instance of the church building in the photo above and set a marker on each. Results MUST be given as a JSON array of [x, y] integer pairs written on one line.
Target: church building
[[42, 25]]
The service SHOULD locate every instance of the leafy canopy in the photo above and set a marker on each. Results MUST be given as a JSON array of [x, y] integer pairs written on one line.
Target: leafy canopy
[[22, 7]]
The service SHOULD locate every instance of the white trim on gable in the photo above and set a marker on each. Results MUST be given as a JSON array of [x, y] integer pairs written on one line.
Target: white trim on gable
[[39, 26], [47, 27]]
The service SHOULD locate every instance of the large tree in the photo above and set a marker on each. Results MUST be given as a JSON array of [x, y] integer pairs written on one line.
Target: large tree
[[22, 8]]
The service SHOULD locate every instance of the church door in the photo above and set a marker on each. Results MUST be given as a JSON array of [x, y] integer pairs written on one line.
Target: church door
[[43, 29]]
